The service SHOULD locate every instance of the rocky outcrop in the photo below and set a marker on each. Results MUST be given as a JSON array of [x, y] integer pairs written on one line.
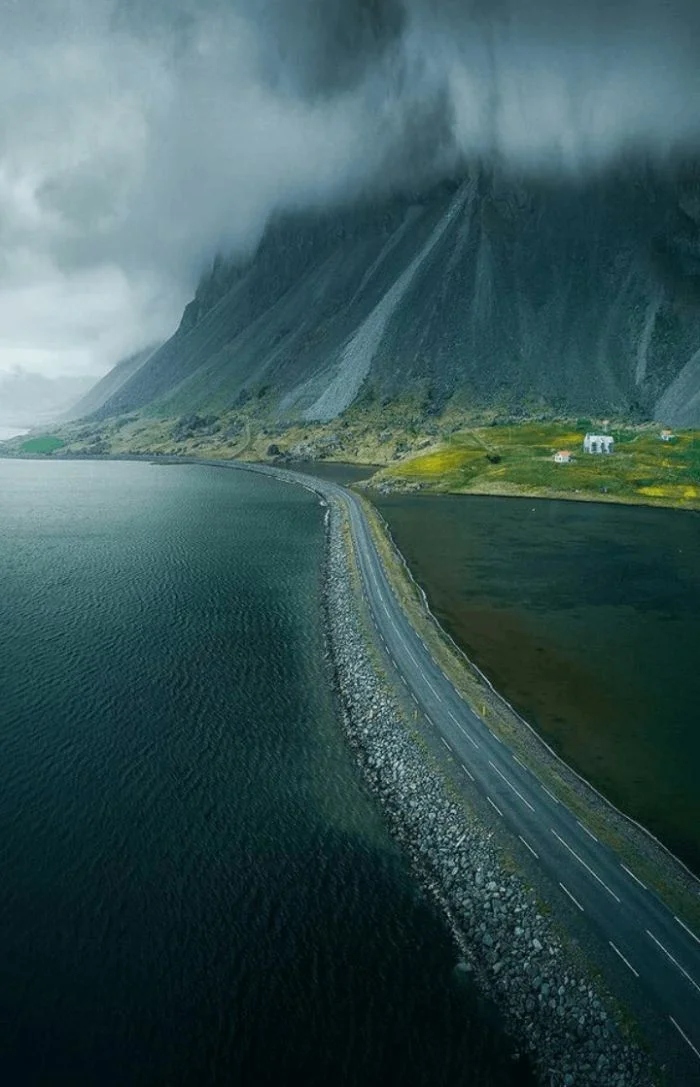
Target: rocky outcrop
[[550, 1008]]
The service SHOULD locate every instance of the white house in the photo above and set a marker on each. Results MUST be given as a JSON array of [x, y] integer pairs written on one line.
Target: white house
[[666, 435], [563, 456], [598, 443]]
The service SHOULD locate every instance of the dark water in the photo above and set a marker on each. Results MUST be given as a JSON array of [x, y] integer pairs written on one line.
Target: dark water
[[335, 471], [587, 618], [194, 887]]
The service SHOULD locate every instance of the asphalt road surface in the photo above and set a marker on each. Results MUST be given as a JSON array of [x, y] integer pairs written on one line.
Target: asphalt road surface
[[635, 932]]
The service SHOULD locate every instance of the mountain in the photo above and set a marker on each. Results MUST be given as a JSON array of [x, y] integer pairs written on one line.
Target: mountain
[[28, 399], [108, 386], [533, 296]]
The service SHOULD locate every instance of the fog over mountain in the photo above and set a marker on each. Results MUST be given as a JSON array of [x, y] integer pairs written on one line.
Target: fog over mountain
[[27, 399], [137, 139]]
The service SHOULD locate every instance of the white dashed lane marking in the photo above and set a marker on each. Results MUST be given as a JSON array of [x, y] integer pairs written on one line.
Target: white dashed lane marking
[[423, 675], [468, 772], [550, 795], [635, 878], [415, 662], [674, 961], [528, 846], [511, 786], [627, 963], [588, 832], [683, 925], [463, 730], [574, 900], [436, 693], [586, 866], [494, 806], [685, 1037]]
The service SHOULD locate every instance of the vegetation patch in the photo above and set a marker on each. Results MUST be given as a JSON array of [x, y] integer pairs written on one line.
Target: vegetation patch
[[519, 459], [443, 462], [46, 444]]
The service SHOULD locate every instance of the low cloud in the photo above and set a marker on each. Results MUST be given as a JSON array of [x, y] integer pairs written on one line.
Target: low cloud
[[138, 138]]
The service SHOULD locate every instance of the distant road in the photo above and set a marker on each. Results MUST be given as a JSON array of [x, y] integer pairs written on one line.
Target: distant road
[[637, 933]]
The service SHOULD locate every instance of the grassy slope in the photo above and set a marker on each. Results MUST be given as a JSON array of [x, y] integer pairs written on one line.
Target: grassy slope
[[369, 434], [642, 469], [44, 444]]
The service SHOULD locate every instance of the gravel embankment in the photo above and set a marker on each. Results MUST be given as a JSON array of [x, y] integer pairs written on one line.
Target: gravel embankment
[[549, 1007]]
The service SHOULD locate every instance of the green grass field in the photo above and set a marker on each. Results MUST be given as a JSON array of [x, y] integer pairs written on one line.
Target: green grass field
[[46, 443], [519, 460]]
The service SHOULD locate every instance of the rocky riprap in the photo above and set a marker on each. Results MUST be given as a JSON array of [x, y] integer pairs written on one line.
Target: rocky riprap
[[550, 1009]]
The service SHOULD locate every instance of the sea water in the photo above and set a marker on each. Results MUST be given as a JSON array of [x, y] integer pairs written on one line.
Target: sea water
[[195, 887]]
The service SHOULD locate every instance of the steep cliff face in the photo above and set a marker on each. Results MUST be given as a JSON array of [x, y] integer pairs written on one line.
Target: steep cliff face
[[573, 297]]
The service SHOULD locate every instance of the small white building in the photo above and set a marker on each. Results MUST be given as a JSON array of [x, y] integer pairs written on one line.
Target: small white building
[[666, 435], [598, 443], [563, 456]]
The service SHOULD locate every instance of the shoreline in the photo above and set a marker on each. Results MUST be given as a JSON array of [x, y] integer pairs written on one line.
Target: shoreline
[[545, 496], [290, 465]]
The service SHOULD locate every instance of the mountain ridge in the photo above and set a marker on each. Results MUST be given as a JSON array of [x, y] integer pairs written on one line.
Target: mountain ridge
[[528, 295]]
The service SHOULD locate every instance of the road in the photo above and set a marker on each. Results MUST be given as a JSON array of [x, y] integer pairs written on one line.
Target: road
[[636, 933]]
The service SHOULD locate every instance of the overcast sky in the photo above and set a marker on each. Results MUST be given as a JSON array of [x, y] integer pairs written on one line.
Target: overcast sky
[[137, 137]]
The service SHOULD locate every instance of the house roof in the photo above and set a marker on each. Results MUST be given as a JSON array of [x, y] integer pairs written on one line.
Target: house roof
[[563, 452]]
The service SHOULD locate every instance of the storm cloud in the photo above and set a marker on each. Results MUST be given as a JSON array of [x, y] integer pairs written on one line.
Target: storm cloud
[[138, 138]]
